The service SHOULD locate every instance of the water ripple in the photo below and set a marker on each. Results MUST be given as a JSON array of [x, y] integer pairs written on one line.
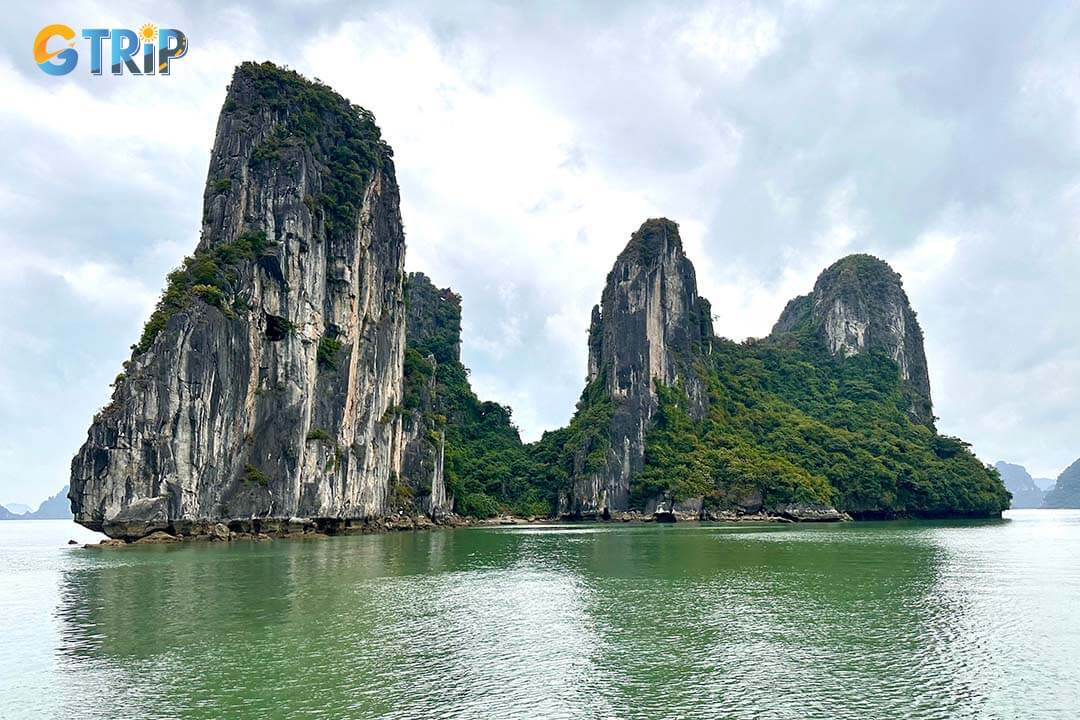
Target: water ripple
[[861, 621]]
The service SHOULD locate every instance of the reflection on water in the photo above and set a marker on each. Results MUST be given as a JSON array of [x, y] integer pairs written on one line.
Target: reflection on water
[[901, 620]]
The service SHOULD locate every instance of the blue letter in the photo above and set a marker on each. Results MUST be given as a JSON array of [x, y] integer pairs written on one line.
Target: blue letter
[[125, 43], [167, 51], [95, 36], [148, 58]]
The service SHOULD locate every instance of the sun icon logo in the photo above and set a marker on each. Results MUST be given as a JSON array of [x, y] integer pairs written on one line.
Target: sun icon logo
[[148, 33]]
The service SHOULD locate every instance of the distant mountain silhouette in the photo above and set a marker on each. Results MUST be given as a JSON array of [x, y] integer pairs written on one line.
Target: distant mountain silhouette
[[1066, 492], [1025, 491], [1045, 484], [56, 507]]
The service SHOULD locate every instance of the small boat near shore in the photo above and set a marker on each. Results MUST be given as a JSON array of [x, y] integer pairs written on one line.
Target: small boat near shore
[[664, 515]]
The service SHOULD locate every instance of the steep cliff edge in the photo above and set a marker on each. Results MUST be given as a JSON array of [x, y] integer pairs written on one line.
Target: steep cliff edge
[[263, 384], [858, 305], [649, 327], [830, 412], [452, 437], [433, 339], [291, 371]]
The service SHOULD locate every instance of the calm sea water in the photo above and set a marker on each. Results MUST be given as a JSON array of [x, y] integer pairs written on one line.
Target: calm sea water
[[862, 620]]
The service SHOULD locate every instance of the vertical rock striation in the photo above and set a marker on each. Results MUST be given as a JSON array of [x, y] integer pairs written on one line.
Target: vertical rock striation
[[433, 338], [264, 384], [859, 305], [649, 326]]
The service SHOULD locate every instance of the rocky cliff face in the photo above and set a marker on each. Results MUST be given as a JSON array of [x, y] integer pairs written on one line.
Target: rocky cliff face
[[264, 384], [859, 305], [433, 337], [648, 327]]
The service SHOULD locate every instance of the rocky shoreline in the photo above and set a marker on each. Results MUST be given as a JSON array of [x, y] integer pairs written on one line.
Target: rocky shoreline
[[263, 530]]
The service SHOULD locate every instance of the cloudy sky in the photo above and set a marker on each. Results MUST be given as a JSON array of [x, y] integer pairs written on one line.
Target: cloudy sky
[[531, 140]]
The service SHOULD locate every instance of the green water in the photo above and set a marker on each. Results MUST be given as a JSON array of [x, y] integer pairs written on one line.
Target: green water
[[862, 620]]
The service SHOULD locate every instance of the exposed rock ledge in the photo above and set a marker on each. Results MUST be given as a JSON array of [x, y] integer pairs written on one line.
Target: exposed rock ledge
[[150, 533], [160, 530]]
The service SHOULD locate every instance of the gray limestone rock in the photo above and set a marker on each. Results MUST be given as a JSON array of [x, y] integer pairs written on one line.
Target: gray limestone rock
[[859, 305], [1066, 491], [648, 327], [264, 385], [433, 335]]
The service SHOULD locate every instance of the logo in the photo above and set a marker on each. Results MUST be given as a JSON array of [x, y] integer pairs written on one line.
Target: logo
[[147, 51]]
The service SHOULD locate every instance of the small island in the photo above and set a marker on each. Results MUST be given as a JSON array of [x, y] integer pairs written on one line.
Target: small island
[[295, 378]]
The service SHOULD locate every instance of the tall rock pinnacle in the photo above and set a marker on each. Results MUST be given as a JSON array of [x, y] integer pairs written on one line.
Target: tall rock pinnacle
[[648, 327], [859, 305], [433, 339], [263, 383]]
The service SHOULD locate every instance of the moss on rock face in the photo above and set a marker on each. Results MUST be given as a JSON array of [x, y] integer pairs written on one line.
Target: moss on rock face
[[327, 352], [254, 476], [486, 467], [651, 239], [320, 435], [313, 114], [212, 274]]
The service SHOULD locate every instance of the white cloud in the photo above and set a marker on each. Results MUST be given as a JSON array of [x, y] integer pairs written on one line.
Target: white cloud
[[927, 260], [732, 38], [102, 284]]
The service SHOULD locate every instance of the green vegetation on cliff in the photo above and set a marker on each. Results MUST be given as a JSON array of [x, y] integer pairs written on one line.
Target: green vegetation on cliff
[[859, 304], [212, 274], [786, 422], [816, 414], [791, 424], [580, 447], [307, 115], [487, 469]]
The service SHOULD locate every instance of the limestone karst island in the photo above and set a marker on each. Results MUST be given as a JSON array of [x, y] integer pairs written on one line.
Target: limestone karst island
[[293, 376], [518, 361]]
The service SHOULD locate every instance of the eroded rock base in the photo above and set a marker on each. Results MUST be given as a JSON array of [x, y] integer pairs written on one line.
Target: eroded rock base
[[265, 529]]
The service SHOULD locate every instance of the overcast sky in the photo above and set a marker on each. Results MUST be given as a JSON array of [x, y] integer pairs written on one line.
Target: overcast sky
[[532, 139]]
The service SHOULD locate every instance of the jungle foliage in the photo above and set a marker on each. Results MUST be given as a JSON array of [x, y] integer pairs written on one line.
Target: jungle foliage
[[213, 274], [786, 423], [791, 422]]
